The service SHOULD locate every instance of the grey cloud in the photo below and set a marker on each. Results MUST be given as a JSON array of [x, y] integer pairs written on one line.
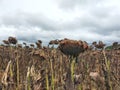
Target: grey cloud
[[33, 34], [29, 27], [13, 20], [29, 35], [105, 21], [42, 21], [29, 20], [1, 0], [99, 16], [98, 23], [69, 4]]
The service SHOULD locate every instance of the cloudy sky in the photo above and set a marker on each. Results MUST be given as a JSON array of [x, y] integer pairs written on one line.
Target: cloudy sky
[[89, 20]]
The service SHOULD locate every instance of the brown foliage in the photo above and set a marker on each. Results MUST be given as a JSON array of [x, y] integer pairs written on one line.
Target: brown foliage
[[39, 44], [54, 42], [72, 47], [6, 42], [40, 41], [89, 72], [115, 43], [100, 45], [12, 40], [116, 46]]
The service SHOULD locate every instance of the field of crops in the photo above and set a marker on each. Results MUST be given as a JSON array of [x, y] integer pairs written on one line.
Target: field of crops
[[29, 68]]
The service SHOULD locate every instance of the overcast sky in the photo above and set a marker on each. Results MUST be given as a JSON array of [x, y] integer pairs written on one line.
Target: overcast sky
[[89, 20]]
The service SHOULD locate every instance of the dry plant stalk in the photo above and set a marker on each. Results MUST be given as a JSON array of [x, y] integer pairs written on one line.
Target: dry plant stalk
[[52, 75], [5, 75], [28, 86], [32, 76], [107, 73], [47, 81], [72, 69]]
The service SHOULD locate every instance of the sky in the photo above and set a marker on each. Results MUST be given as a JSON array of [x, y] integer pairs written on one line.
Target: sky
[[87, 20]]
